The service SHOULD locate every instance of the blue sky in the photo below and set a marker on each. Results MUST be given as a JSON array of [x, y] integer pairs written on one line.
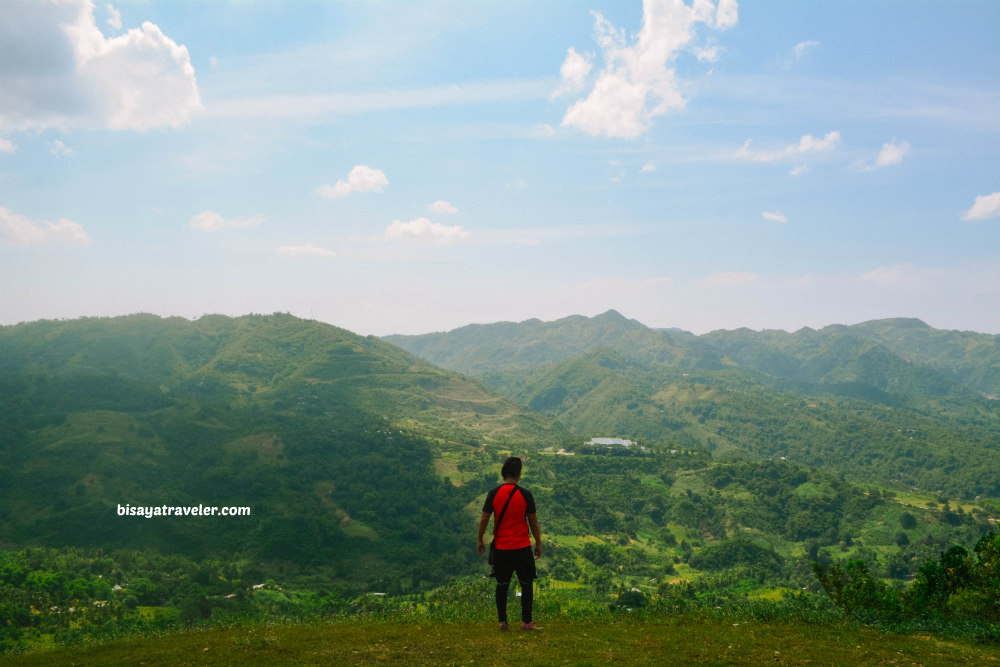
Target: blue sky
[[405, 167]]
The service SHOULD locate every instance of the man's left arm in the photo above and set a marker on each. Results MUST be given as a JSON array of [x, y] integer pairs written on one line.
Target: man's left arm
[[536, 532]]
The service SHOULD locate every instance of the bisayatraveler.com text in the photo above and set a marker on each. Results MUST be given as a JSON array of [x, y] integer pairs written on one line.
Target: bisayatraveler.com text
[[172, 510]]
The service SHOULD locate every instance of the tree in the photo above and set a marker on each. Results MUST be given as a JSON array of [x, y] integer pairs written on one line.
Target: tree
[[937, 581], [852, 588]]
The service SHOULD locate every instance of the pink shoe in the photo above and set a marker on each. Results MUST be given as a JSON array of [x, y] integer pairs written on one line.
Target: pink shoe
[[529, 626], [504, 627]]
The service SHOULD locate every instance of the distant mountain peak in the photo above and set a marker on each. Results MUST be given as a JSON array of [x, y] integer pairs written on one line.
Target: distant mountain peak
[[898, 322], [612, 316]]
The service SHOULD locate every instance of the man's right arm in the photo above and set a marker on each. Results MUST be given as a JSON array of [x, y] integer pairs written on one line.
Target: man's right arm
[[484, 520]]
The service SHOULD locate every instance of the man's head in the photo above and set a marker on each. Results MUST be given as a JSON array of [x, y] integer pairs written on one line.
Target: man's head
[[511, 468]]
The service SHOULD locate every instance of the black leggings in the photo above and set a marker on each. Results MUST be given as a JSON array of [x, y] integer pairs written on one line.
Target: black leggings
[[506, 564]]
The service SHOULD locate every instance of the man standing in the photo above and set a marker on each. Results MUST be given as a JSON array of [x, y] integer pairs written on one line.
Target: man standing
[[514, 508]]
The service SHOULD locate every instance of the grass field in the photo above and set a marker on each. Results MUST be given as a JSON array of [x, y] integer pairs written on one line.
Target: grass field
[[681, 640]]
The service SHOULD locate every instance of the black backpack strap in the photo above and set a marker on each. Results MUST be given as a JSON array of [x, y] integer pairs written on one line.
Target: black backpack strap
[[496, 524]]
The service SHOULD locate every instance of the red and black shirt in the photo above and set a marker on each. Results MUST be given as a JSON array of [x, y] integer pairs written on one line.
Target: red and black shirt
[[513, 531]]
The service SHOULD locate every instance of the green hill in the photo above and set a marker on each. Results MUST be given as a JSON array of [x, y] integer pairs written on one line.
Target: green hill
[[872, 360], [275, 362], [505, 354], [843, 398], [973, 359], [331, 440]]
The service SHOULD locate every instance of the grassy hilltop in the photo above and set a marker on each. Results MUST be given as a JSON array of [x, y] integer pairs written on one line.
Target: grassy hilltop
[[680, 641]]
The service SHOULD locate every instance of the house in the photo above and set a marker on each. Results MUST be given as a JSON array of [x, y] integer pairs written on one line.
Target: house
[[610, 442]]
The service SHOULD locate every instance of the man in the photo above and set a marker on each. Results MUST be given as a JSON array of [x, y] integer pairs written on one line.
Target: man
[[513, 546]]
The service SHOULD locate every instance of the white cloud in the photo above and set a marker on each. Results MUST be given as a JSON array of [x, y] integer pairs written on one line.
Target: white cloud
[[648, 167], [708, 54], [810, 143], [804, 48], [7, 146], [892, 153], [726, 280], [136, 81], [423, 229], [899, 275], [361, 179], [801, 50], [210, 221], [541, 131], [308, 250], [985, 206], [574, 72], [775, 216], [807, 144], [114, 17], [442, 206], [637, 83], [726, 14], [59, 148], [17, 230]]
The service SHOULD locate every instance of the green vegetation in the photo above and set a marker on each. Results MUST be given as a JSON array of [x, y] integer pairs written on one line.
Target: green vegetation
[[813, 481], [958, 588], [679, 532]]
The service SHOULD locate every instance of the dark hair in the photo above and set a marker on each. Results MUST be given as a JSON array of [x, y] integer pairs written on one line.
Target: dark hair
[[511, 468]]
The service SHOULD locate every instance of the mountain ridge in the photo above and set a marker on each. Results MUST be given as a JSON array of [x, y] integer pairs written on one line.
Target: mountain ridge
[[836, 397], [255, 358], [970, 358]]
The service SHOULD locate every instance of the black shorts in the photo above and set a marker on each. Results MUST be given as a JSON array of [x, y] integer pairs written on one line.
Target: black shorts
[[508, 561]]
